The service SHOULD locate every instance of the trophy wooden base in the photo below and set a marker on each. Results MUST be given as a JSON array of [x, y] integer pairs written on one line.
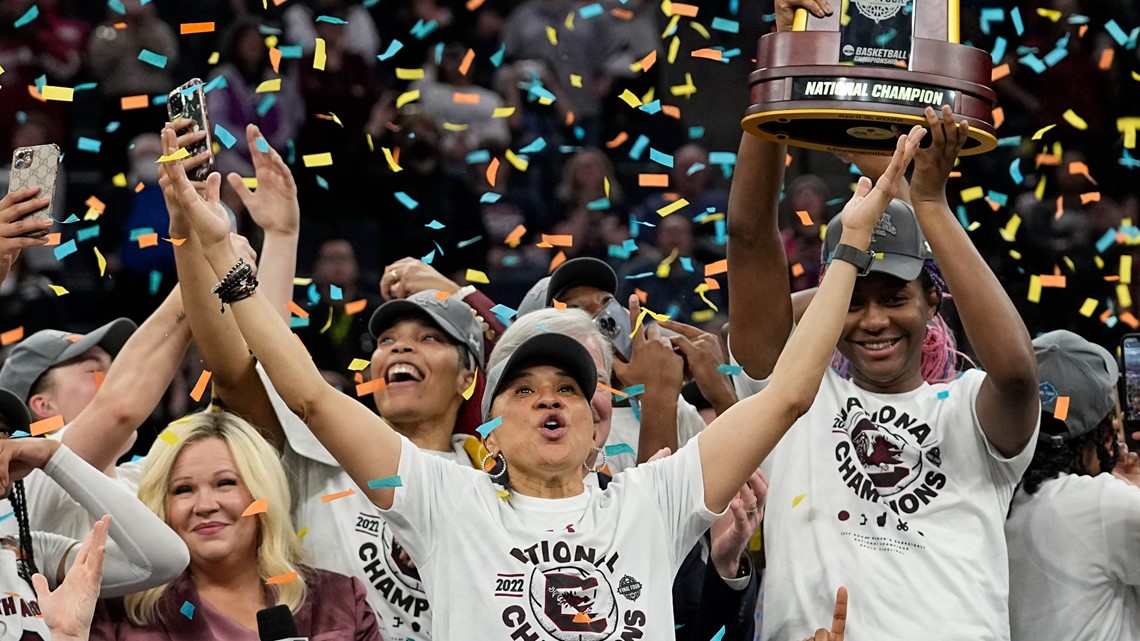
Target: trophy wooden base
[[802, 98]]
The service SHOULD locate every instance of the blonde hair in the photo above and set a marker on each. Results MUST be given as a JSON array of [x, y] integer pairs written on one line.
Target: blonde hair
[[278, 548]]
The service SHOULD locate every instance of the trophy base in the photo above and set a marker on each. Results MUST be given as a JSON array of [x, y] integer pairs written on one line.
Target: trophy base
[[802, 99]]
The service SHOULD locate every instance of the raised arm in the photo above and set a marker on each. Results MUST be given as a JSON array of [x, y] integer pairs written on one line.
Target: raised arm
[[134, 385], [1007, 404], [363, 443], [758, 285], [735, 444]]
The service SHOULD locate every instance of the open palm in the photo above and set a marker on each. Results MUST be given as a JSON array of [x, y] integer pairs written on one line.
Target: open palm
[[274, 205], [68, 609]]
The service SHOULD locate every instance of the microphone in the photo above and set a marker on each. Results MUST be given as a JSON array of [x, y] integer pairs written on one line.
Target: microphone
[[277, 624]]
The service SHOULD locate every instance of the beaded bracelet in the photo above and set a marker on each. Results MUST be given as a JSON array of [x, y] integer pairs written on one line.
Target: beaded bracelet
[[238, 284]]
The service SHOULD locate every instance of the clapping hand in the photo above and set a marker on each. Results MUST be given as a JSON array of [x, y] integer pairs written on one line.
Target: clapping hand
[[274, 206], [932, 165], [862, 212], [69, 609]]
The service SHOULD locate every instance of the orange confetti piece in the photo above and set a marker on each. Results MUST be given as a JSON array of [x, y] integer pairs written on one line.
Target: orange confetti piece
[[617, 141], [621, 14], [686, 10], [557, 240], [53, 239], [126, 103], [338, 495], [49, 424], [96, 204], [653, 180], [1060, 207], [120, 25], [275, 59], [999, 72], [1061, 409], [1090, 197], [492, 171], [196, 27], [200, 386], [1106, 58], [296, 310], [461, 98], [515, 237], [805, 218], [259, 506], [355, 307], [99, 378], [582, 617], [374, 385], [607, 388], [712, 283], [707, 53], [1128, 319], [74, 338], [177, 242], [1052, 280], [648, 61], [288, 577], [558, 259], [148, 240], [558, 304], [719, 267], [12, 336], [442, 295], [673, 111], [999, 116], [797, 270], [641, 295], [474, 4], [468, 58]]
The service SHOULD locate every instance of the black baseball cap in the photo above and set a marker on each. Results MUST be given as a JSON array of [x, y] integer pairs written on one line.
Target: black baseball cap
[[15, 412], [898, 244], [557, 350], [578, 272]]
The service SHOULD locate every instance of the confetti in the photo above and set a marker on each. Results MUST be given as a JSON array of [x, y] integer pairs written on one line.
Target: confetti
[[187, 610], [187, 28], [12, 336], [317, 160], [488, 427], [1061, 409], [152, 58], [358, 364], [288, 577], [259, 506], [798, 499], [200, 386], [374, 385], [319, 55], [46, 425], [388, 481], [476, 276], [338, 495], [177, 155], [269, 86], [168, 437]]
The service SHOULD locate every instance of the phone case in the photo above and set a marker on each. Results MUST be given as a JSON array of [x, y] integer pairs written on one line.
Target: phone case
[[189, 101], [36, 166]]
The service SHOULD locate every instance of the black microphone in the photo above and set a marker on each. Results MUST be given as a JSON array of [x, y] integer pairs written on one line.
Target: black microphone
[[276, 624]]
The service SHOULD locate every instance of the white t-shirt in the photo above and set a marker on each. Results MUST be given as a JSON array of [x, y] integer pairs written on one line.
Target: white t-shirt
[[899, 497], [1074, 560], [596, 566], [625, 428]]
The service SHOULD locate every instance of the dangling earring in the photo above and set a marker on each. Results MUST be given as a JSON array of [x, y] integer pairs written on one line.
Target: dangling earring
[[598, 467], [500, 465]]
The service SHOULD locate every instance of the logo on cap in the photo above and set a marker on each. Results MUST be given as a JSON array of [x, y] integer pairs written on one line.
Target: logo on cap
[[885, 226], [1047, 392]]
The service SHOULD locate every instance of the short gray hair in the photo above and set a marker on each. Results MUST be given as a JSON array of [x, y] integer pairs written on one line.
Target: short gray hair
[[573, 322]]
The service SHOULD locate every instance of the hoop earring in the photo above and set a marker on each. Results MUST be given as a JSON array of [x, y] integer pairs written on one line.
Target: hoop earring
[[500, 465], [598, 467]]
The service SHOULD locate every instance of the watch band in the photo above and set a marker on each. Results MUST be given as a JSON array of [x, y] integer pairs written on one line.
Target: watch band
[[861, 259]]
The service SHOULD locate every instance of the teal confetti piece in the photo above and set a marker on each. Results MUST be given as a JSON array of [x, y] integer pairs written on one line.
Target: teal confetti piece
[[943, 395], [696, 133], [87, 86], [619, 448], [686, 263], [489, 198], [1015, 171], [590, 11], [960, 210], [884, 39], [335, 293], [435, 224], [1015, 16], [634, 390], [719, 635], [996, 196], [694, 168], [40, 82], [535, 146], [112, 126], [421, 29], [65, 249], [32, 13], [489, 426], [1009, 141], [638, 147], [266, 104], [731, 370], [470, 241], [216, 83], [1055, 56], [135, 233], [71, 219], [1106, 241], [726, 25], [224, 136], [429, 257], [297, 322], [1116, 32], [322, 183], [262, 145], [153, 59], [155, 281], [722, 158], [368, 4], [87, 233], [478, 156], [991, 14], [187, 610], [999, 50], [117, 7], [406, 200], [7, 516], [497, 57], [661, 158], [88, 144], [393, 48], [136, 458], [651, 107], [291, 52], [600, 204], [330, 20], [388, 481], [502, 311]]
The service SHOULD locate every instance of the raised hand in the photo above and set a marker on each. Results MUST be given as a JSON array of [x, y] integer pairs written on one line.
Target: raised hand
[[932, 165], [704, 354], [274, 205], [652, 361], [838, 620], [68, 609], [863, 210], [18, 457], [786, 11], [731, 532], [14, 208], [204, 212], [408, 276]]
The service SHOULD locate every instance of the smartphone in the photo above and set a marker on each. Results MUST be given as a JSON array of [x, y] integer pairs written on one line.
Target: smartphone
[[613, 322], [36, 166], [1130, 388], [189, 101]]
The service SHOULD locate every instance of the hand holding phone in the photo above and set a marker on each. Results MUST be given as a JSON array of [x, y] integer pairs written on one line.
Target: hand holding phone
[[189, 102], [34, 167], [1130, 389]]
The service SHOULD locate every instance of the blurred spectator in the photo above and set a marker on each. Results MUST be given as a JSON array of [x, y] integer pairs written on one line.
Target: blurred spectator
[[360, 34], [27, 300], [807, 193], [691, 179], [590, 216], [668, 275]]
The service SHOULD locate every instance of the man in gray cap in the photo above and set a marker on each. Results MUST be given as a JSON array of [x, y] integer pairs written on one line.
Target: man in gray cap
[[1074, 526], [100, 386]]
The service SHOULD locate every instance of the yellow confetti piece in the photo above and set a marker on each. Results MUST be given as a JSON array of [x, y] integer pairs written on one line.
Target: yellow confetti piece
[[671, 27], [648, 97], [451, 126], [391, 160], [358, 364], [686, 89], [1125, 270], [672, 207], [406, 97], [214, 57], [1049, 14], [516, 161], [59, 290], [552, 35], [328, 322], [302, 532], [798, 499], [60, 94], [1124, 295], [250, 183], [269, 86], [178, 155], [470, 391], [1034, 294], [102, 262], [575, 80], [319, 55], [476, 276], [637, 325], [606, 185], [409, 74], [630, 98], [1073, 119], [569, 21], [503, 112], [972, 194], [168, 437], [701, 290], [1041, 132], [1089, 307], [1128, 126], [674, 47], [700, 28], [1016, 255], [318, 160], [119, 180]]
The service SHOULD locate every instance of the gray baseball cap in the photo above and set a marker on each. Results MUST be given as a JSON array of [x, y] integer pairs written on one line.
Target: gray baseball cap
[[1085, 373], [897, 242], [45, 349], [535, 298], [450, 314], [558, 350], [14, 412]]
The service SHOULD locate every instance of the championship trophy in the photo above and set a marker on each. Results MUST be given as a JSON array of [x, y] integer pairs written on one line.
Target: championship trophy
[[850, 81]]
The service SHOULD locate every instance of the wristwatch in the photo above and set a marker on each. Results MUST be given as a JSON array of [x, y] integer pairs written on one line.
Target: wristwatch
[[861, 259]]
